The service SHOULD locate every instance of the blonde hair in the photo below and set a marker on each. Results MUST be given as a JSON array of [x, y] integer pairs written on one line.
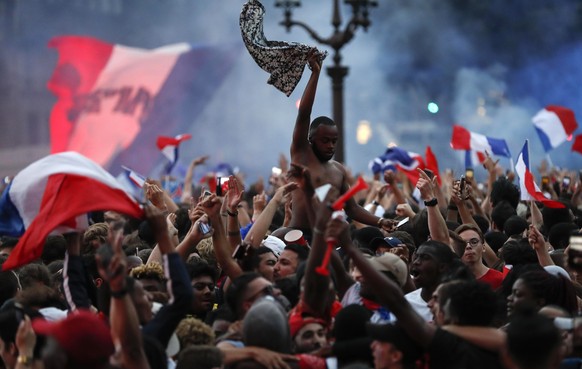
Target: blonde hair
[[151, 270], [194, 332]]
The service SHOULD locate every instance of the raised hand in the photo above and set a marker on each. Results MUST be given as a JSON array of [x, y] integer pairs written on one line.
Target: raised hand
[[199, 160], [314, 61], [155, 194], [284, 190], [234, 195], [211, 205], [426, 186]]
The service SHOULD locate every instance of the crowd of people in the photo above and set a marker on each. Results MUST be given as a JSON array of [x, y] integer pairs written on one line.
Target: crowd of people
[[442, 273]]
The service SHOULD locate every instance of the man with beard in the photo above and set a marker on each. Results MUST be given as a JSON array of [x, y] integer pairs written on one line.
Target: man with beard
[[313, 148]]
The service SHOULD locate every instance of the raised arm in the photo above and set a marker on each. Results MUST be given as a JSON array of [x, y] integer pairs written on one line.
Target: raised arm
[[123, 316], [233, 197], [222, 249], [436, 223], [388, 293], [74, 276], [316, 285], [390, 179], [537, 242], [262, 223], [301, 132], [187, 192]]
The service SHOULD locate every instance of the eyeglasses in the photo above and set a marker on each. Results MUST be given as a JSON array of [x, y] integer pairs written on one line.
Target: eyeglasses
[[473, 242], [200, 286]]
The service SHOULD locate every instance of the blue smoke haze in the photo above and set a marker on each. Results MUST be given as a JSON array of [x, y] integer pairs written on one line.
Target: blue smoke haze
[[490, 66]]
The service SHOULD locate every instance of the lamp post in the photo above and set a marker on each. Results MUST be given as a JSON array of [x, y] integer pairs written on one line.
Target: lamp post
[[336, 41]]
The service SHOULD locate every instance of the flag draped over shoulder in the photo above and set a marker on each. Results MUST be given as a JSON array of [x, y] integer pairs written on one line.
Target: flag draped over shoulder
[[396, 158], [285, 61], [554, 124], [53, 193], [529, 189], [113, 100]]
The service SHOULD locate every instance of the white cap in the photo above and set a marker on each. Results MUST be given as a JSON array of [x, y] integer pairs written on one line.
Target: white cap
[[275, 244]]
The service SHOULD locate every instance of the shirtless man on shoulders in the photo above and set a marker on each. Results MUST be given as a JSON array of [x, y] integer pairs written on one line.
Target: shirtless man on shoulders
[[313, 148]]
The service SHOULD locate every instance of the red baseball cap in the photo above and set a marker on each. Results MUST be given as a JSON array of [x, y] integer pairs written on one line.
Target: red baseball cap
[[85, 337]]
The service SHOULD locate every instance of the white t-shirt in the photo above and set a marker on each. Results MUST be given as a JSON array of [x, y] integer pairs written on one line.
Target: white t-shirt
[[419, 305]]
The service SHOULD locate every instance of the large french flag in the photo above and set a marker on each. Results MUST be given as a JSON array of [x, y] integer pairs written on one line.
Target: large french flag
[[396, 158], [463, 139], [554, 125], [529, 189], [54, 194], [114, 101]]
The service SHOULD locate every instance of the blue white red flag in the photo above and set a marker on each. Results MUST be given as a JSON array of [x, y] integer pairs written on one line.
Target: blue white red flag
[[396, 158], [554, 125], [54, 194], [114, 100], [529, 189], [463, 139], [134, 177], [169, 147]]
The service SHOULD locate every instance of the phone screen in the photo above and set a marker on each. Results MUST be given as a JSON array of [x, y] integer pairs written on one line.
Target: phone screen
[[469, 173]]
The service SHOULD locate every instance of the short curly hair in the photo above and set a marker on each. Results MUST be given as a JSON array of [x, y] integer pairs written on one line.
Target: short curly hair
[[194, 332], [95, 232], [151, 270]]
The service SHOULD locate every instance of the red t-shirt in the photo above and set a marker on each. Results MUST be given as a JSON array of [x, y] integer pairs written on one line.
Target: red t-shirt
[[493, 278]]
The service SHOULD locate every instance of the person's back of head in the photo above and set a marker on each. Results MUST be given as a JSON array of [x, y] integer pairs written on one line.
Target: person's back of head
[[420, 231], [33, 274], [500, 213], [482, 222], [517, 252], [363, 237], [9, 285], [200, 357], [194, 332], [504, 190], [54, 249], [265, 325], [559, 235], [514, 226], [470, 303], [553, 216], [352, 343], [533, 342], [93, 237], [495, 240]]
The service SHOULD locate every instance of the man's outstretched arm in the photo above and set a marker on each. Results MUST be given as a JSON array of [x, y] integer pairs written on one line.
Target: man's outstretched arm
[[301, 131]]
